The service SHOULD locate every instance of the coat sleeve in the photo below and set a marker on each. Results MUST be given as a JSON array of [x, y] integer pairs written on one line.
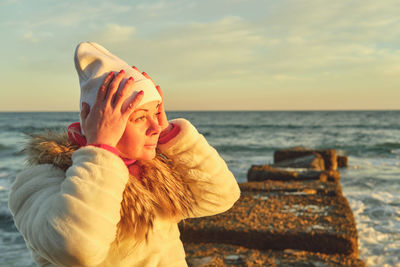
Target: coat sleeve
[[70, 218], [214, 187]]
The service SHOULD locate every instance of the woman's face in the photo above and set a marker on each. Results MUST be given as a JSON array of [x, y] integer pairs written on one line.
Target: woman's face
[[140, 138]]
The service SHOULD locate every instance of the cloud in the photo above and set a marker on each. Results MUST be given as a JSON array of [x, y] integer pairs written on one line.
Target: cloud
[[162, 8], [8, 2], [114, 33], [29, 37], [200, 48], [336, 21], [152, 6], [335, 36], [73, 13], [312, 43]]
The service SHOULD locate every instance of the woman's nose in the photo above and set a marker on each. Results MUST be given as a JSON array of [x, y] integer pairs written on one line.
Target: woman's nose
[[154, 127]]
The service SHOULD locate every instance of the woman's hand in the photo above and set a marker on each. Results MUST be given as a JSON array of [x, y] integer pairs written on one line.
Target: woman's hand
[[162, 117], [105, 122]]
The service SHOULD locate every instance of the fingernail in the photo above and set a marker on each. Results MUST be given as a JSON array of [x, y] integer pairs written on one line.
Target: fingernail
[[144, 73], [141, 92], [130, 79], [122, 71]]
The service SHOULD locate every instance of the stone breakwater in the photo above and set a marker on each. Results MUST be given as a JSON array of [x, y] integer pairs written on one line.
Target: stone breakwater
[[290, 213]]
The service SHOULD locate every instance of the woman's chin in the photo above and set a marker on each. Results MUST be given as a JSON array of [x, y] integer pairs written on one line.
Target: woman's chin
[[145, 154], [148, 158], [149, 155]]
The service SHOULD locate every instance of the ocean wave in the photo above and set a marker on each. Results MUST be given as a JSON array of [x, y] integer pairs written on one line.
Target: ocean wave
[[33, 129], [6, 221], [6, 147], [257, 126], [369, 150], [385, 148], [388, 145], [300, 126], [244, 148], [377, 225]]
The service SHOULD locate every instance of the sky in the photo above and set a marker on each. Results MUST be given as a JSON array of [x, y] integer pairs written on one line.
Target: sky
[[209, 54]]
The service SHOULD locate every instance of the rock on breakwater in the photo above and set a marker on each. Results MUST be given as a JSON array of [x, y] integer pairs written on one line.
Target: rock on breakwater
[[215, 255], [307, 221]]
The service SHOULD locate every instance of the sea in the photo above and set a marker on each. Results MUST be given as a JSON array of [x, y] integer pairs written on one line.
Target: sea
[[371, 182]]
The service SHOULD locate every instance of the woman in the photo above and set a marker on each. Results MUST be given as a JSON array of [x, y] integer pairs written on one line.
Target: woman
[[112, 192]]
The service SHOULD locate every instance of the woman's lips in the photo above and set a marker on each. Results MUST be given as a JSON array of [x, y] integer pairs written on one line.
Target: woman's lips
[[150, 146]]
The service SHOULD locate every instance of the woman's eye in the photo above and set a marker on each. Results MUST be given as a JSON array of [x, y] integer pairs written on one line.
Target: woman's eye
[[140, 118], [158, 113]]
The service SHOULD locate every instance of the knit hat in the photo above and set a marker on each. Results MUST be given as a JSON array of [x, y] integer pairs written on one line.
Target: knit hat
[[93, 62]]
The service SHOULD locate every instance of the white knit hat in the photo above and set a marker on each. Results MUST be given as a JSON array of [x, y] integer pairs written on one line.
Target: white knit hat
[[93, 62]]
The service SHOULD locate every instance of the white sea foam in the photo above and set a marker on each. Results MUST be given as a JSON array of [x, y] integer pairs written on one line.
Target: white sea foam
[[377, 215]]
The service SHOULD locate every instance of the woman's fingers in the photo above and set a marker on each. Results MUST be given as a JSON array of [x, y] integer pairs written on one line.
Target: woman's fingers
[[159, 91], [101, 94], [122, 94], [161, 106], [135, 103], [148, 77], [113, 87], [162, 118], [145, 75], [84, 111]]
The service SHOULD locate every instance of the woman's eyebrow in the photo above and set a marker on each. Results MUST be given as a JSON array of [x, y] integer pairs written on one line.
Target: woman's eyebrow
[[146, 110]]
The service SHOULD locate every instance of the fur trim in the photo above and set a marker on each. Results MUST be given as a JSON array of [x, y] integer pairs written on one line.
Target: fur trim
[[50, 148], [161, 189]]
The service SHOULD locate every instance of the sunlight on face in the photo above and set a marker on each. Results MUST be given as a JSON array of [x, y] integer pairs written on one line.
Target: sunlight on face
[[140, 138]]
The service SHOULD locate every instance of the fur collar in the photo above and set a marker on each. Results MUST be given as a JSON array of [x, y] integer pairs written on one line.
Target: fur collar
[[161, 189]]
